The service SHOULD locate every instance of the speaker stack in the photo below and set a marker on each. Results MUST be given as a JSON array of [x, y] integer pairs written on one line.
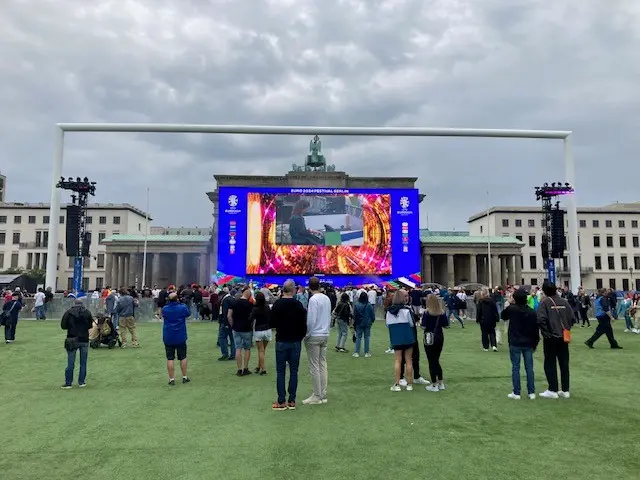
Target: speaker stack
[[72, 239]]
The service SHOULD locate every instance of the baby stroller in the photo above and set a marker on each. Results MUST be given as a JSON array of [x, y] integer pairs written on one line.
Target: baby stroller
[[103, 333]]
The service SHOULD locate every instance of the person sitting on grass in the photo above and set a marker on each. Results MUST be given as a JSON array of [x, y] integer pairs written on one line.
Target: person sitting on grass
[[400, 322], [524, 336], [174, 336]]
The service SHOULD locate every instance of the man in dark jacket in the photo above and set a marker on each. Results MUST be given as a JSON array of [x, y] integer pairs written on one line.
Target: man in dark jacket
[[487, 317], [225, 334], [524, 336], [612, 296], [77, 321], [555, 315]]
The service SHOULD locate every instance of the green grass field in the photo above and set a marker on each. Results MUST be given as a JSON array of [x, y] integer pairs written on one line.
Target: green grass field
[[129, 424]]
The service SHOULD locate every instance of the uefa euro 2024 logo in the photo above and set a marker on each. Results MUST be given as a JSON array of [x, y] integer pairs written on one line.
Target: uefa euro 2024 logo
[[404, 203], [233, 201]]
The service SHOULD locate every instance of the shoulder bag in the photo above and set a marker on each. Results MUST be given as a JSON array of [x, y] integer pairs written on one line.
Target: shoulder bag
[[430, 337]]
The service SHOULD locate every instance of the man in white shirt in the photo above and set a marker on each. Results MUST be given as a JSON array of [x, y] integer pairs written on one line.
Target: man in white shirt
[[39, 305], [318, 324], [372, 295]]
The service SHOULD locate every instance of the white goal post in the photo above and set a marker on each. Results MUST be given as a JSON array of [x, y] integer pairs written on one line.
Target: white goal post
[[61, 128]]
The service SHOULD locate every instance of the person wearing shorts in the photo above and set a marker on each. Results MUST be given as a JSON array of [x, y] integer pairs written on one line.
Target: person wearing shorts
[[260, 316], [238, 317], [400, 322], [174, 336]]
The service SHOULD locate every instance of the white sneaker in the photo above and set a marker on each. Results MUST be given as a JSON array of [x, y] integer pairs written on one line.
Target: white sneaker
[[396, 388], [626, 330], [367, 355], [389, 350], [402, 382], [312, 400], [495, 349], [635, 330], [432, 388], [442, 387], [548, 394], [421, 381], [409, 388], [562, 394], [485, 349], [532, 396], [513, 396], [356, 355], [324, 400]]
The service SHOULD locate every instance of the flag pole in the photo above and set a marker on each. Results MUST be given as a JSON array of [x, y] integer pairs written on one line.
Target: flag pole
[[144, 250]]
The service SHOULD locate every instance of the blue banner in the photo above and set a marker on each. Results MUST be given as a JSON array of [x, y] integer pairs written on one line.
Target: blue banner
[[551, 270], [77, 274]]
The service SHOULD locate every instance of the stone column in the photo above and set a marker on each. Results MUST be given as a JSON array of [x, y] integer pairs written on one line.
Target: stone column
[[427, 268], [503, 270], [495, 271], [155, 269], [451, 273], [179, 269], [108, 265], [120, 276], [518, 269], [134, 269], [473, 268], [202, 269], [127, 266], [512, 270]]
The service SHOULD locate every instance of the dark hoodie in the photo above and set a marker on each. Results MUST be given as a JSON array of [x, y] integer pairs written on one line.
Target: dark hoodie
[[77, 321], [487, 313], [523, 323]]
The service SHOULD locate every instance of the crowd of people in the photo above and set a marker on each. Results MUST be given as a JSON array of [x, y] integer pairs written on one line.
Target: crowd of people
[[300, 316]]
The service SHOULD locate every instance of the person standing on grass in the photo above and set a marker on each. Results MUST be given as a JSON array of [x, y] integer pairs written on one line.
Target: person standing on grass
[[38, 305], [261, 329], [10, 311], [415, 355], [289, 319], [555, 316], [125, 307], [110, 307], [605, 317], [343, 316], [363, 317], [77, 321], [238, 317], [318, 325], [399, 320], [174, 336], [523, 335], [434, 320], [487, 318]]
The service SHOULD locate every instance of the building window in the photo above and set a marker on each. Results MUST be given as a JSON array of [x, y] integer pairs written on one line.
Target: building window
[[519, 237], [533, 262], [598, 283], [99, 283], [3, 219], [534, 281], [102, 220], [100, 260], [624, 262], [518, 223], [18, 219], [612, 283], [32, 219], [88, 220], [634, 223], [637, 284], [481, 228], [532, 240], [531, 223], [636, 242], [595, 223], [1, 260], [625, 284], [596, 240], [101, 236], [608, 223], [621, 223], [623, 241], [71, 260], [16, 238], [70, 283], [583, 224], [86, 262], [609, 241], [14, 260], [45, 220], [611, 262], [85, 284], [598, 262], [636, 263], [116, 220], [29, 261], [116, 232], [139, 227], [505, 222], [3, 238], [61, 219]]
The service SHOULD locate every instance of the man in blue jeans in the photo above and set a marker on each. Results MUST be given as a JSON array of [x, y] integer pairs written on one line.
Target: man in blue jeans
[[225, 335], [289, 319], [76, 321]]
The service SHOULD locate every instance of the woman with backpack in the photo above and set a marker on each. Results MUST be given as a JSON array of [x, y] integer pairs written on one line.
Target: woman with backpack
[[433, 321], [363, 318], [9, 317], [342, 314]]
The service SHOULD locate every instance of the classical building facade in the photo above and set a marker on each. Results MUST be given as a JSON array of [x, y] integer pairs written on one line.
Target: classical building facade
[[608, 238], [455, 258]]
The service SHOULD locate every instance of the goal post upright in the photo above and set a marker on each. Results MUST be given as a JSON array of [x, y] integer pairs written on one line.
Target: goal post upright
[[61, 128]]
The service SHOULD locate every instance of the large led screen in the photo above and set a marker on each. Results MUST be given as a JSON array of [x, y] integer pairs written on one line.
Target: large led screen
[[345, 236]]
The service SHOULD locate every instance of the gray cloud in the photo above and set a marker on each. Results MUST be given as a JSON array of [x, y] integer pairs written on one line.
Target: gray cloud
[[491, 64]]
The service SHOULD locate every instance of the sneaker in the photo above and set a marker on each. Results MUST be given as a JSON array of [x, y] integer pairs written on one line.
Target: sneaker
[[325, 401], [513, 396], [231, 359], [548, 394], [343, 350], [312, 400], [389, 350], [421, 381], [441, 387], [432, 388], [186, 379], [239, 373], [263, 373], [256, 370], [367, 355], [356, 355], [66, 387], [635, 330], [402, 382], [291, 405], [485, 349], [532, 396], [396, 388], [588, 344], [617, 347], [562, 394], [626, 330], [246, 372], [172, 382], [223, 358], [495, 349], [409, 388], [279, 406], [82, 385], [124, 345]]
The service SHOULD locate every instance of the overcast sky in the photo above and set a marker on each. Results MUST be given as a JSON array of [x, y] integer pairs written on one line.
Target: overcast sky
[[532, 64]]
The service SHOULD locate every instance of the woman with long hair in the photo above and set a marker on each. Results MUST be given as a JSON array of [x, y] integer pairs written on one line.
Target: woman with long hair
[[363, 318], [399, 321], [260, 319], [434, 320], [342, 314]]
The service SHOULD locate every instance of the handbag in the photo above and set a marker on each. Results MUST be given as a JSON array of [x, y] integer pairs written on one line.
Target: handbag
[[566, 333], [430, 337], [70, 344]]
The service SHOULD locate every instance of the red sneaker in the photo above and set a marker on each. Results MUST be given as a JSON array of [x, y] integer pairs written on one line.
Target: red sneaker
[[279, 406], [291, 405]]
